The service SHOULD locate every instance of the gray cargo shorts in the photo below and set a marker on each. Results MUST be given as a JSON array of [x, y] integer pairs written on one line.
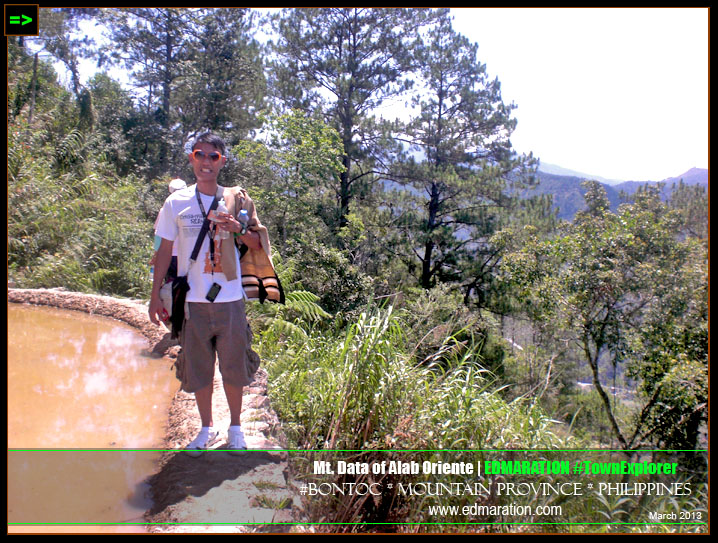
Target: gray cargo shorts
[[215, 331]]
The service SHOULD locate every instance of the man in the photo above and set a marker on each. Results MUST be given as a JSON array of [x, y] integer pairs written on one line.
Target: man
[[215, 321]]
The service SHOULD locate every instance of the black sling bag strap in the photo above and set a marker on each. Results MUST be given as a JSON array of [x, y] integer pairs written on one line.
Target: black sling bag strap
[[205, 225], [180, 286]]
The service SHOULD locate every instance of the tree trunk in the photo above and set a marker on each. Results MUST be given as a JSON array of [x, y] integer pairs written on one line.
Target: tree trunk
[[593, 362], [426, 272], [344, 192]]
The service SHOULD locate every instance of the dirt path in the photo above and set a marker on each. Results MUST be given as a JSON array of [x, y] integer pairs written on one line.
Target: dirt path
[[217, 492]]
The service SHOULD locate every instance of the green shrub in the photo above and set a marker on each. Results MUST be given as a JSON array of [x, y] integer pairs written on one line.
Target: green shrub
[[342, 288]]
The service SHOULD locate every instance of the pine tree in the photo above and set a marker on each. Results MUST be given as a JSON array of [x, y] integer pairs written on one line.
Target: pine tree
[[354, 59], [460, 162]]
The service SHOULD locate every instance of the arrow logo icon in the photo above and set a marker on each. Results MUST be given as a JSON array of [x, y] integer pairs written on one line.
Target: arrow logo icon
[[15, 19]]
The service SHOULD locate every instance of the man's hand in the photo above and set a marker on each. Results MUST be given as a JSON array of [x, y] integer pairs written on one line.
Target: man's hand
[[157, 309], [227, 222]]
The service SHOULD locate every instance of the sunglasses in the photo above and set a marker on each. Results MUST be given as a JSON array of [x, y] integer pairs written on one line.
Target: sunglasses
[[201, 155]]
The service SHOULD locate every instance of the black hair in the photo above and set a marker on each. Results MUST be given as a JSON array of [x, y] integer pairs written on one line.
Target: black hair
[[212, 139]]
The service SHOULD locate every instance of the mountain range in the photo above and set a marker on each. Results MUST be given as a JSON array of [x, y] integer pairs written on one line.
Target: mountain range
[[565, 187]]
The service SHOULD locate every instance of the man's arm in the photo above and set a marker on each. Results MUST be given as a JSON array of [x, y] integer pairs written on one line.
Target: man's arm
[[162, 264]]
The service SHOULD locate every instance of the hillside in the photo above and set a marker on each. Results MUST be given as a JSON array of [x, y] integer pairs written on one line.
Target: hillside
[[568, 193]]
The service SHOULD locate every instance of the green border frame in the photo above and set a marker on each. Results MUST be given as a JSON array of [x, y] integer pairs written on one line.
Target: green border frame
[[249, 451]]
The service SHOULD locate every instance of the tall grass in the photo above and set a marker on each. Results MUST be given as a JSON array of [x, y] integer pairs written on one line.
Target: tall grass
[[361, 390], [358, 394], [367, 391]]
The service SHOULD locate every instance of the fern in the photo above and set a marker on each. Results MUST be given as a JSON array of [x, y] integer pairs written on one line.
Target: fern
[[282, 327], [14, 163], [304, 303], [69, 151]]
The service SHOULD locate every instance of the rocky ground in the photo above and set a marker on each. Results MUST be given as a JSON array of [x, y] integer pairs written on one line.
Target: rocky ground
[[217, 492]]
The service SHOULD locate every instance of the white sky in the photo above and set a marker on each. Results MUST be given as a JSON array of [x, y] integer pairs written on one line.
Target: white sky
[[618, 93]]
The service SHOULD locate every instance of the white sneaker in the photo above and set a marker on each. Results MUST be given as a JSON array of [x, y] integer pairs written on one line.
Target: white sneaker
[[205, 439], [235, 440]]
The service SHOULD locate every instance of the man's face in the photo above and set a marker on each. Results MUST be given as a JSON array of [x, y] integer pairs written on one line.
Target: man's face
[[204, 163]]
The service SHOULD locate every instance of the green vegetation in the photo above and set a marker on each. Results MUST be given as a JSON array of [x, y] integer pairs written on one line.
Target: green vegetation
[[428, 306]]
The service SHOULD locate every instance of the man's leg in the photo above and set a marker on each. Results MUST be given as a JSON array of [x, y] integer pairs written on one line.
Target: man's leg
[[207, 434], [203, 397], [198, 373], [231, 349], [234, 400], [235, 436]]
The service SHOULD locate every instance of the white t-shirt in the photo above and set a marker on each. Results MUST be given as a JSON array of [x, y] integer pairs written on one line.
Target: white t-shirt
[[180, 221]]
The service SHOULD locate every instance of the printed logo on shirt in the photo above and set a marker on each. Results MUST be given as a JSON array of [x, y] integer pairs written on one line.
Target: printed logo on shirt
[[217, 259], [191, 220]]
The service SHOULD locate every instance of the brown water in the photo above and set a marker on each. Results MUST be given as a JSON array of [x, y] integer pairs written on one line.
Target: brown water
[[77, 381]]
